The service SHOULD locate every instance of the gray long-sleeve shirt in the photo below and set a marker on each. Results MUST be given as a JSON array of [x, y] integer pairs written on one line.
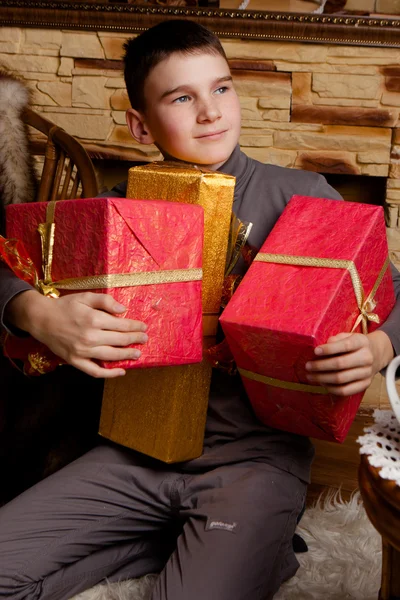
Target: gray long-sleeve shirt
[[233, 434]]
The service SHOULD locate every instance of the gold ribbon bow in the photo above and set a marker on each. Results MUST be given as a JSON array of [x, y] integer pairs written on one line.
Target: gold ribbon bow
[[94, 282], [365, 306]]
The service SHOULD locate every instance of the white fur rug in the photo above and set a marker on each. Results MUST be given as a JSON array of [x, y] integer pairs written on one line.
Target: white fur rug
[[343, 561]]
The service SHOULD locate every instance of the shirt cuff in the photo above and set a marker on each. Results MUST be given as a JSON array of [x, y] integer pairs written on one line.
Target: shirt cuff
[[5, 325]]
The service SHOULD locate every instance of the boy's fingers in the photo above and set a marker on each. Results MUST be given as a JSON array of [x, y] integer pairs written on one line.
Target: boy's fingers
[[113, 354], [102, 302], [340, 377], [341, 344], [342, 362], [97, 338], [88, 342], [91, 368], [103, 320], [339, 336], [105, 307], [355, 387]]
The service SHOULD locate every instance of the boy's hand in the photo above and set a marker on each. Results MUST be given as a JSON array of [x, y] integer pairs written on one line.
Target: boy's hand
[[348, 361], [79, 328]]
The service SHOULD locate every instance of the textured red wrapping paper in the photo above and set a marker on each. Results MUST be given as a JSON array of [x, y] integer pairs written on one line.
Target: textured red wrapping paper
[[280, 313], [109, 235]]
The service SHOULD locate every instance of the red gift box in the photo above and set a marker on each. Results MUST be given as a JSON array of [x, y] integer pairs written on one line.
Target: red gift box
[[321, 271], [155, 245]]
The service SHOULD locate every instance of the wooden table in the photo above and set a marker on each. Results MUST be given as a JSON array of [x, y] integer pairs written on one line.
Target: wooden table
[[382, 503]]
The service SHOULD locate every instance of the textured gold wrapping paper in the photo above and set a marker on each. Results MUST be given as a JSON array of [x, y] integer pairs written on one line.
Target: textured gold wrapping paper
[[161, 412]]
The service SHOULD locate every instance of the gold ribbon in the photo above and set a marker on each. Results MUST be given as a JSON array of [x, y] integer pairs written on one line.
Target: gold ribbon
[[286, 385], [238, 236], [119, 280], [47, 232], [365, 307], [96, 282]]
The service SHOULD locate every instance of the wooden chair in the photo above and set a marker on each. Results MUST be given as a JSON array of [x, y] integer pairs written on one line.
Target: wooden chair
[[47, 422], [68, 171]]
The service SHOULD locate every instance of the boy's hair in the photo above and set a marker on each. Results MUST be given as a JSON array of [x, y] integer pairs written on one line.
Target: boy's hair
[[144, 52]]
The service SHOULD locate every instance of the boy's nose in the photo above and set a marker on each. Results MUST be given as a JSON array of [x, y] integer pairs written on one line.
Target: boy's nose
[[208, 111]]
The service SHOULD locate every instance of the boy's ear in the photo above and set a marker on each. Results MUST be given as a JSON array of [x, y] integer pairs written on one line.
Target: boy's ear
[[137, 127]]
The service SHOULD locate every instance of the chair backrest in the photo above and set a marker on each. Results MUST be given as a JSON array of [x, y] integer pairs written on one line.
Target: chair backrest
[[68, 171]]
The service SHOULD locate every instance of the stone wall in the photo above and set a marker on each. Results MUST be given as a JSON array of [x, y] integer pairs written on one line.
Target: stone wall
[[387, 7], [327, 108]]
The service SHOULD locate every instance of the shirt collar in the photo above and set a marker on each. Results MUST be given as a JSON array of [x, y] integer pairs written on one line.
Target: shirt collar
[[237, 164]]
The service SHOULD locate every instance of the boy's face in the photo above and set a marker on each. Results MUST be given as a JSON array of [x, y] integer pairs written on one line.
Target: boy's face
[[192, 110]]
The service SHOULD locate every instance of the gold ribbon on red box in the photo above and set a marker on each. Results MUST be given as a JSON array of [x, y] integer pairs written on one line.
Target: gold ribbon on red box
[[365, 306]]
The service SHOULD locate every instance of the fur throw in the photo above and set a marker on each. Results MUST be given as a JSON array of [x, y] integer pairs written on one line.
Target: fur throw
[[17, 178]]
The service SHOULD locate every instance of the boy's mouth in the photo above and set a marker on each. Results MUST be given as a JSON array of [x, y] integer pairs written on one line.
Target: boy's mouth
[[212, 135]]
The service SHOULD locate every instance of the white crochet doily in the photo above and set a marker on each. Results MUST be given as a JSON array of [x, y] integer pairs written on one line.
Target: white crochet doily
[[381, 443]]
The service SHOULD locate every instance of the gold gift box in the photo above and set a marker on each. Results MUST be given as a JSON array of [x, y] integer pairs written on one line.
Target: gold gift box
[[211, 190], [161, 412]]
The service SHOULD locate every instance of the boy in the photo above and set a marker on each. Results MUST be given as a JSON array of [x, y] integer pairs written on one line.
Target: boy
[[219, 527]]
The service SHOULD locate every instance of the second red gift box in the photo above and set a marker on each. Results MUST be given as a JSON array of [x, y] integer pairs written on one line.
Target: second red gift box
[[324, 269]]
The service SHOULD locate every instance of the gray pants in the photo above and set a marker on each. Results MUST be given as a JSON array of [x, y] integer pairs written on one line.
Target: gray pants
[[224, 534]]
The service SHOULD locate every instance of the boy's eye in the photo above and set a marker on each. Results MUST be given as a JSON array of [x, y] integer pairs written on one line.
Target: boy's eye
[[181, 99], [222, 90]]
